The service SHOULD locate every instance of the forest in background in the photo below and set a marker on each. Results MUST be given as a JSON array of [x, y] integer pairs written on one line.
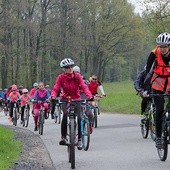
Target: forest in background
[[104, 37]]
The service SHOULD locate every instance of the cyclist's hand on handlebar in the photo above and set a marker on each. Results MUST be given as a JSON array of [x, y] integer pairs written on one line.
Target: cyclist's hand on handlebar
[[91, 99], [103, 95], [145, 94]]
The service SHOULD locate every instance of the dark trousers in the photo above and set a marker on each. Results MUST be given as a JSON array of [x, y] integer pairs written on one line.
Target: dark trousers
[[11, 108], [159, 105], [64, 120]]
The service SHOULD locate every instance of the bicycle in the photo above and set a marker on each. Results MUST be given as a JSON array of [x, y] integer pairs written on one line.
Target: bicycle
[[57, 113], [95, 110], [163, 151], [72, 126], [85, 129], [41, 119], [148, 122], [5, 107], [26, 116]]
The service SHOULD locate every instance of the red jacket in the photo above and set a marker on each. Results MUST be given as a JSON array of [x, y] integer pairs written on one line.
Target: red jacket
[[93, 86], [32, 92], [70, 85]]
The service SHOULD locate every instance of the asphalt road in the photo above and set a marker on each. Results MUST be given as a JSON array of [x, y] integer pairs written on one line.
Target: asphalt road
[[116, 144]]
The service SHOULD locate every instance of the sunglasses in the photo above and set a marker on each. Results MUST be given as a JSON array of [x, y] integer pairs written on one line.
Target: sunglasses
[[94, 79], [68, 67], [163, 46]]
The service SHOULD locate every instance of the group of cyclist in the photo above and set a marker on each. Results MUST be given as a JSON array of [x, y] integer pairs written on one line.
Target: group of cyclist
[[70, 83], [155, 79]]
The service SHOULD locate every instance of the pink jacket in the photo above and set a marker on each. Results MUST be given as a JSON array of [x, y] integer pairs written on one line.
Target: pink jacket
[[24, 99], [70, 85]]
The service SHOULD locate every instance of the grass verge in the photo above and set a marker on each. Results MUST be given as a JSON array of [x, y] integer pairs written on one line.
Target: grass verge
[[120, 98], [9, 148]]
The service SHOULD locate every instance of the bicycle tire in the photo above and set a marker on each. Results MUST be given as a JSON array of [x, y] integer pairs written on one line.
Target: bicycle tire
[[95, 117], [145, 128], [27, 117], [14, 117], [41, 122], [85, 129], [72, 143], [163, 152], [152, 130]]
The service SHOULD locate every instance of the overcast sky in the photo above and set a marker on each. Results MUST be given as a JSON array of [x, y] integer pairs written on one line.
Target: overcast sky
[[138, 5]]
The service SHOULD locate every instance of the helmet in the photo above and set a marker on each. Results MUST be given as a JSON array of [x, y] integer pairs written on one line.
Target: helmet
[[47, 86], [21, 87], [14, 87], [163, 39], [66, 62], [35, 84], [25, 90], [76, 69]]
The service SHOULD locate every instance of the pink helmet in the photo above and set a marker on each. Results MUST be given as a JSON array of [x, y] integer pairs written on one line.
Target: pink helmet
[[14, 87]]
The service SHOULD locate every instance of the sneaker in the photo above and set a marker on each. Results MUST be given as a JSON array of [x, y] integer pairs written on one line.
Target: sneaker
[[36, 128], [91, 129], [63, 141], [79, 145], [159, 143]]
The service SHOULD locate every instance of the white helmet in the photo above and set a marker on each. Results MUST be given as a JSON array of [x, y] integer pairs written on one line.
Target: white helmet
[[35, 84], [76, 69], [25, 90], [66, 62], [163, 39]]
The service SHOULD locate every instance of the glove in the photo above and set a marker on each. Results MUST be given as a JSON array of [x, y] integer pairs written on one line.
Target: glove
[[104, 95], [145, 94]]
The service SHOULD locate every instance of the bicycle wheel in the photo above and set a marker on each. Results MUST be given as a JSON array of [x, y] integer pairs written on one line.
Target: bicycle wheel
[[145, 127], [72, 143], [152, 128], [85, 129], [95, 117], [41, 122], [26, 118], [163, 152], [14, 116]]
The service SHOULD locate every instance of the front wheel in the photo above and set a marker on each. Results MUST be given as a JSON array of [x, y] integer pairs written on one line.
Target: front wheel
[[95, 117], [85, 129], [41, 122], [26, 117], [145, 127], [14, 116], [72, 143]]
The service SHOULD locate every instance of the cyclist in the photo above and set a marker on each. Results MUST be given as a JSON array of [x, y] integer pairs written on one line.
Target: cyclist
[[94, 85], [70, 83], [25, 98], [88, 107], [41, 96], [160, 81], [13, 97], [142, 86], [32, 92], [2, 96]]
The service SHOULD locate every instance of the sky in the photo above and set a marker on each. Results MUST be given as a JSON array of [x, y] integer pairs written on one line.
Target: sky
[[138, 5]]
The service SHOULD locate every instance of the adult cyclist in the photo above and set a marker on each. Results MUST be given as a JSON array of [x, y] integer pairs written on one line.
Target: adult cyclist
[[160, 81], [70, 83]]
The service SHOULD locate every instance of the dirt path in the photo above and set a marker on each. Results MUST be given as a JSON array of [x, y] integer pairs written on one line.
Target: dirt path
[[34, 155]]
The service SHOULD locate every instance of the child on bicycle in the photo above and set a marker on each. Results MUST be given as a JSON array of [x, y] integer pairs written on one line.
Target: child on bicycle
[[25, 98], [40, 98], [14, 97]]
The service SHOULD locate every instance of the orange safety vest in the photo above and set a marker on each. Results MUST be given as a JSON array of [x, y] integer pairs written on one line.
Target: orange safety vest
[[161, 76]]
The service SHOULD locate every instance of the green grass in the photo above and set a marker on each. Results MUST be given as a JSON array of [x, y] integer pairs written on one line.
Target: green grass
[[120, 98], [10, 148]]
